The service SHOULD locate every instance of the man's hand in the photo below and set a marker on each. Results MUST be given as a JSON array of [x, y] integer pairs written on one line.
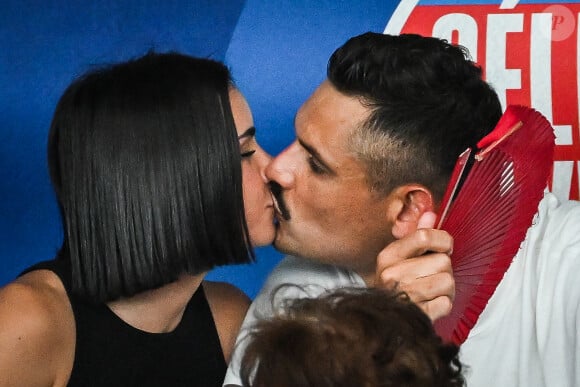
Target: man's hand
[[419, 265]]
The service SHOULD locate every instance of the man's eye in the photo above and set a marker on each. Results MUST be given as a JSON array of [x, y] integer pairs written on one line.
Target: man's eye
[[248, 154], [315, 166]]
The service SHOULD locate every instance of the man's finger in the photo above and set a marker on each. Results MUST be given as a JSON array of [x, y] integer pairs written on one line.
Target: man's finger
[[433, 294], [437, 308], [412, 269], [425, 289], [427, 220], [414, 245]]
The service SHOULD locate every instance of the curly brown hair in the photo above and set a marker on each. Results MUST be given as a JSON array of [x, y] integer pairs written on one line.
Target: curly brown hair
[[349, 338]]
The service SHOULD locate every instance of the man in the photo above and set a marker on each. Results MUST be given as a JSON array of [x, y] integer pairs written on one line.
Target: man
[[376, 144]]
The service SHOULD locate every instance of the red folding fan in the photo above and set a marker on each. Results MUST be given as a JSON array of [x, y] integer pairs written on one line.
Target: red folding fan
[[489, 204]]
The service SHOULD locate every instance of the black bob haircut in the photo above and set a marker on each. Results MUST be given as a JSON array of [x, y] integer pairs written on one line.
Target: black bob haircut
[[145, 162]]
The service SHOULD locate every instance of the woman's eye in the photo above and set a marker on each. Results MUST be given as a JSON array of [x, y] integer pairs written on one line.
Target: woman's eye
[[248, 154], [314, 166]]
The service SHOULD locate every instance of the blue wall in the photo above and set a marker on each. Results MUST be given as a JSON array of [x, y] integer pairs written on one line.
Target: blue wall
[[277, 51]]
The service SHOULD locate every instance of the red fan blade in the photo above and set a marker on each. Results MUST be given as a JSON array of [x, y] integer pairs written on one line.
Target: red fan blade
[[490, 215], [507, 124]]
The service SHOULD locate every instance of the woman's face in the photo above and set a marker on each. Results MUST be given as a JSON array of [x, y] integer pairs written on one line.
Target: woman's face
[[257, 198]]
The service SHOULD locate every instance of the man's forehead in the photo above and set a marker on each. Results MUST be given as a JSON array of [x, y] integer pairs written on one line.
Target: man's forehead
[[330, 114], [326, 123]]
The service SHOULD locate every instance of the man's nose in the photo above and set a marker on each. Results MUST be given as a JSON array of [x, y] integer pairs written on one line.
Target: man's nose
[[282, 167], [264, 160]]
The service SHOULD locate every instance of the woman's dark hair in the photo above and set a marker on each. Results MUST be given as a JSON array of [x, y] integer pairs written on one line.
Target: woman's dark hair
[[145, 162], [349, 338]]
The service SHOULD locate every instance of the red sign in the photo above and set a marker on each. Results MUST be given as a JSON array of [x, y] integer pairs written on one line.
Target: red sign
[[529, 54]]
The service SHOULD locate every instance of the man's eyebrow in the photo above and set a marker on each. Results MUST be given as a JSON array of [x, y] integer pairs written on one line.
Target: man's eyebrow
[[250, 132]]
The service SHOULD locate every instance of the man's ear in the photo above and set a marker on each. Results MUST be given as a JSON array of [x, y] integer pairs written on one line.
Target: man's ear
[[415, 200]]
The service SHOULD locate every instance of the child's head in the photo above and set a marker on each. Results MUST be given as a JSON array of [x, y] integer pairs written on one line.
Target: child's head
[[350, 338]]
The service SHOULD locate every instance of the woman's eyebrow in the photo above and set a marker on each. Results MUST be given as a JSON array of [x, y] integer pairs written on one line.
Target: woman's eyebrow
[[250, 132]]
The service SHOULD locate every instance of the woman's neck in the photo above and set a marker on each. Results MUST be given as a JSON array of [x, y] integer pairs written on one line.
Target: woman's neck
[[159, 310]]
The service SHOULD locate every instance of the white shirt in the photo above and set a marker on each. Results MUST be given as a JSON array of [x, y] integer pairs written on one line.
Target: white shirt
[[292, 278], [528, 335]]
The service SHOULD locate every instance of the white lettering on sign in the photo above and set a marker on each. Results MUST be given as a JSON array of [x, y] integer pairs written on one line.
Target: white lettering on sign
[[497, 73], [465, 27]]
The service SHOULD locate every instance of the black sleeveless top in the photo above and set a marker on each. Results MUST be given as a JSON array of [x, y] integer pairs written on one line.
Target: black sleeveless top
[[110, 352]]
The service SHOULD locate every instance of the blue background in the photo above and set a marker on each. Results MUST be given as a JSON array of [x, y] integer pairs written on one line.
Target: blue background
[[277, 51]]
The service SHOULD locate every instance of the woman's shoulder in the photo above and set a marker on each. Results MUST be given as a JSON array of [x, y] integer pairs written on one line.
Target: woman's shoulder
[[224, 290], [229, 306], [36, 303], [36, 327]]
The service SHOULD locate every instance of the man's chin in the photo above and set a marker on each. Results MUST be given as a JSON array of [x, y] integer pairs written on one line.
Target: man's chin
[[280, 243], [278, 246]]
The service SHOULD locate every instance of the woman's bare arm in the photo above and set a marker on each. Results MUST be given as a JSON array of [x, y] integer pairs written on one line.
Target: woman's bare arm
[[37, 332]]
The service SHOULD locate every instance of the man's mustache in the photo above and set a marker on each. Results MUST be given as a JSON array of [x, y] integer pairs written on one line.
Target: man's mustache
[[276, 190]]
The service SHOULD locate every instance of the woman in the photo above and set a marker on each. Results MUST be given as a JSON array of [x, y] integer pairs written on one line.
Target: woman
[[144, 157]]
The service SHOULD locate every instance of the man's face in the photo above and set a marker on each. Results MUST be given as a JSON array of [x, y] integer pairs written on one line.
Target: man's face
[[332, 214]]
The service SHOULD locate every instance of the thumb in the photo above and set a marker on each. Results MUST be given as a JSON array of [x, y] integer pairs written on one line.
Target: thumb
[[427, 220]]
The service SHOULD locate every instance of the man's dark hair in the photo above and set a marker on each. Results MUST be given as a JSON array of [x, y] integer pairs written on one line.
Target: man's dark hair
[[365, 337], [427, 101], [144, 158]]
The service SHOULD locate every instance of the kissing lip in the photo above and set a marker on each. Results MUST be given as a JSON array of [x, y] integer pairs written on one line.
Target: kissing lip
[[276, 207], [278, 200]]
